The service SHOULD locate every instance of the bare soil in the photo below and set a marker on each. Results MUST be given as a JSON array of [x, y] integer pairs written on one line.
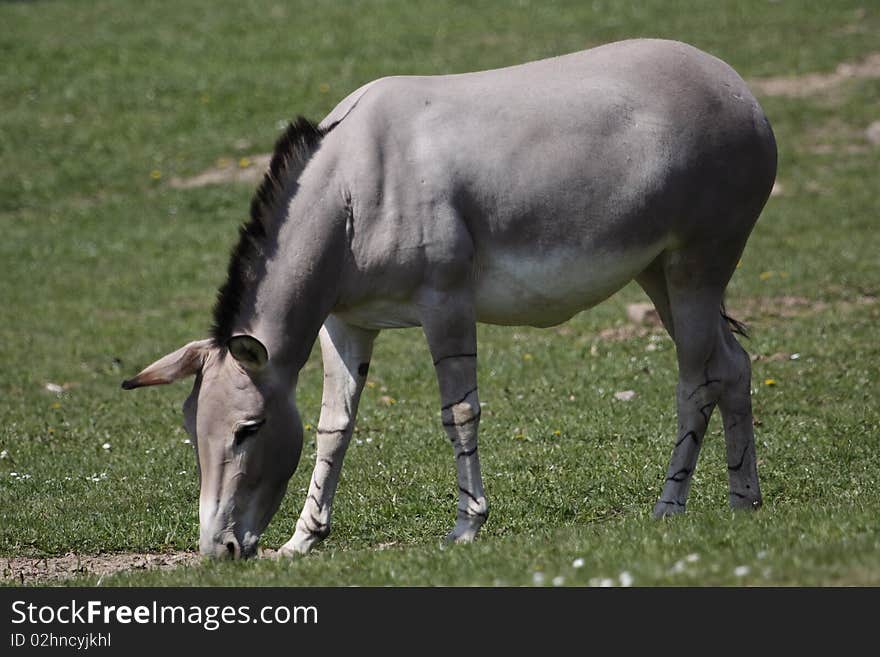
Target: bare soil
[[811, 84], [52, 570], [794, 306], [643, 323], [248, 170]]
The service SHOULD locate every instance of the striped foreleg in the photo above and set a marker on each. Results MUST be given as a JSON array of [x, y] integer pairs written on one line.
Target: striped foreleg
[[450, 328], [346, 352], [461, 420]]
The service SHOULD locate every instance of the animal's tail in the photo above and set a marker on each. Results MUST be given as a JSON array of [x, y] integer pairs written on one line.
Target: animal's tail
[[735, 325]]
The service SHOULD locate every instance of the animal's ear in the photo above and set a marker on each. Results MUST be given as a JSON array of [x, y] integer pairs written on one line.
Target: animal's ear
[[176, 365], [251, 354]]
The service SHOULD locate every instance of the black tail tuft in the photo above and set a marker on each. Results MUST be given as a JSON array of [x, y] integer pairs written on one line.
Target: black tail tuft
[[735, 325]]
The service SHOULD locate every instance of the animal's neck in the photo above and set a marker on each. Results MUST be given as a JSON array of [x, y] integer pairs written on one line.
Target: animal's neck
[[302, 277]]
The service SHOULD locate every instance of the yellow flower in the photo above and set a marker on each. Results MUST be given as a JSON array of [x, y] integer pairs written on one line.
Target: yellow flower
[[308, 427], [557, 433], [155, 174], [527, 357], [56, 405], [244, 163], [323, 87], [769, 382], [764, 275]]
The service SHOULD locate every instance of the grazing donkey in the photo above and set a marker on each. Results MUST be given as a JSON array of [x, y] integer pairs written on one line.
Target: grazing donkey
[[515, 196]]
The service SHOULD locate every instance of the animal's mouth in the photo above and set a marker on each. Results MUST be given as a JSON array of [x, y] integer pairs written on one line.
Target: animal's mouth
[[235, 550], [249, 546], [232, 550], [229, 547]]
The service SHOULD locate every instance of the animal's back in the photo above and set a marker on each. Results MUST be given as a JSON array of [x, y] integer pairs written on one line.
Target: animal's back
[[567, 176]]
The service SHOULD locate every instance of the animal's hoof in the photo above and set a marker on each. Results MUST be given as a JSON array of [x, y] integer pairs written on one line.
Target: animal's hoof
[[453, 539], [461, 534], [295, 547], [285, 552], [665, 508], [738, 501]]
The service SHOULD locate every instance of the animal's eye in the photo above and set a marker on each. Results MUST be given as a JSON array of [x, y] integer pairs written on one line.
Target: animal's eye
[[247, 430]]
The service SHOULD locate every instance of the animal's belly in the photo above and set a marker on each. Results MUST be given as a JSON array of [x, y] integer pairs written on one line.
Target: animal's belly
[[517, 288], [526, 289], [378, 314]]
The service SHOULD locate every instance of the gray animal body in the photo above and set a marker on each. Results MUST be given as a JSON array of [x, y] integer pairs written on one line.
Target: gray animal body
[[517, 196]]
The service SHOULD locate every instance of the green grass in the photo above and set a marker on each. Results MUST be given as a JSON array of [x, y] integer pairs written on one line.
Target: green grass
[[105, 268]]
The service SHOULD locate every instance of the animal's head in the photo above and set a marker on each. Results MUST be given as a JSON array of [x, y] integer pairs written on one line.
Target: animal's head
[[247, 434]]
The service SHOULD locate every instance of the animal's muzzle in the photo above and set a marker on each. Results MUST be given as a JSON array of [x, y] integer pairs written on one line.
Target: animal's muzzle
[[227, 546]]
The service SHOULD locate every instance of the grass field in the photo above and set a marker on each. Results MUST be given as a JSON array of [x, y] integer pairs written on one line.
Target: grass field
[[106, 266]]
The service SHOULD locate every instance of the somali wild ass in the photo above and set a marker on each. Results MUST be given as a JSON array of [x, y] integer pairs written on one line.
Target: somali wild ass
[[517, 196]]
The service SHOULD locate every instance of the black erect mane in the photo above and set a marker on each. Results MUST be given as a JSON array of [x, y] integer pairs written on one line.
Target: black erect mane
[[292, 151]]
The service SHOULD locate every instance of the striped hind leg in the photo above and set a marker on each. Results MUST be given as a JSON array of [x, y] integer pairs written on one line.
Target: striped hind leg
[[696, 394], [739, 434], [723, 378], [346, 352], [451, 331], [713, 370]]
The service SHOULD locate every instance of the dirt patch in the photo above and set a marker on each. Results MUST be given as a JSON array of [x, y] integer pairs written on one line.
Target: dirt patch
[[249, 170], [51, 570], [810, 84], [642, 324], [837, 136], [626, 332], [784, 306], [642, 314], [872, 133], [793, 306]]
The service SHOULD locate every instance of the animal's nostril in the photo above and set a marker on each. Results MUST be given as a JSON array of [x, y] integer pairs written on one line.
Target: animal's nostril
[[232, 549]]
